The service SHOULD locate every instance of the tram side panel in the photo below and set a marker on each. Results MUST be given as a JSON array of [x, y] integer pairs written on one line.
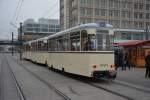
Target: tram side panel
[[42, 57], [81, 63]]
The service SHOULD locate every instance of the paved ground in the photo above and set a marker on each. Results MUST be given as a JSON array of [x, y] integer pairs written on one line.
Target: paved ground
[[134, 76], [76, 90], [33, 89]]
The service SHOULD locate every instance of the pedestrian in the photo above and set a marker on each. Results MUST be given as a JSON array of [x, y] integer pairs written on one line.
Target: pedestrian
[[119, 59], [147, 65], [116, 59], [126, 61]]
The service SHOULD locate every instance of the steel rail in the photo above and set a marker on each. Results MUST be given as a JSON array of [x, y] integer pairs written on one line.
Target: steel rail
[[110, 91], [21, 94], [43, 81]]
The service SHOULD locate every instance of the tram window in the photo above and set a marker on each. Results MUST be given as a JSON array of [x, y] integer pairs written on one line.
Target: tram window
[[88, 41], [84, 36], [99, 41], [54, 45], [50, 43], [59, 45], [104, 42], [109, 42], [65, 44], [45, 45], [75, 41], [39, 46]]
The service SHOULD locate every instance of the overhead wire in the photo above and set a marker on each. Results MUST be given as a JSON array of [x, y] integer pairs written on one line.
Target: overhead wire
[[16, 10], [20, 7], [50, 9]]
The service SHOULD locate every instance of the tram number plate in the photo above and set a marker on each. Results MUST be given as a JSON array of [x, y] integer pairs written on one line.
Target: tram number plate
[[103, 65]]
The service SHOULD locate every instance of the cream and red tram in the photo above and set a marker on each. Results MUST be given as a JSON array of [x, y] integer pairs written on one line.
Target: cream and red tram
[[83, 50]]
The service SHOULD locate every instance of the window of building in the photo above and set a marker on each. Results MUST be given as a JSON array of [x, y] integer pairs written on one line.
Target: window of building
[[89, 12], [140, 6], [135, 6], [96, 11], [124, 4], [147, 6], [136, 24], [103, 12], [116, 14], [111, 4], [97, 3], [147, 15], [124, 24], [117, 4], [82, 12], [129, 14], [123, 14], [140, 15], [136, 15], [140, 25], [103, 3], [111, 13], [138, 36], [89, 1], [82, 1], [30, 25]]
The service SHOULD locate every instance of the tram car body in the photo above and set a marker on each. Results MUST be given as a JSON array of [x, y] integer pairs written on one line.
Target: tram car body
[[85, 50]]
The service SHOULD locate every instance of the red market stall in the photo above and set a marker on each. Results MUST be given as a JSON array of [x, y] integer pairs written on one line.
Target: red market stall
[[137, 50]]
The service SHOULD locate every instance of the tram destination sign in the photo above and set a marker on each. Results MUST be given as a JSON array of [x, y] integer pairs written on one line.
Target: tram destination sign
[[102, 31], [102, 23]]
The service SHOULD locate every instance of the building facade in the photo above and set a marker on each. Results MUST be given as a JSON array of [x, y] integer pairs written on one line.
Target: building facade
[[33, 30], [124, 14]]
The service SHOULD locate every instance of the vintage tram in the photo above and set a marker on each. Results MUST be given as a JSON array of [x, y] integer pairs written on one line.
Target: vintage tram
[[85, 50]]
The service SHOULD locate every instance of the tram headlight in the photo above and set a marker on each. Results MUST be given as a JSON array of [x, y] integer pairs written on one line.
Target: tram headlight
[[112, 66], [94, 66]]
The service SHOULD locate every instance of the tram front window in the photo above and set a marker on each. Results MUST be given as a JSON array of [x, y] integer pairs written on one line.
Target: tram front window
[[88, 41], [104, 42], [90, 44]]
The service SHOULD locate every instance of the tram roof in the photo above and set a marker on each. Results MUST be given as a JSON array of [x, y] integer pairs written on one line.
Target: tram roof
[[88, 25], [129, 30]]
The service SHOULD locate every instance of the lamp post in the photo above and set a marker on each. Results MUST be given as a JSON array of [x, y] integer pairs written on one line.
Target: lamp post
[[20, 37], [20, 40], [12, 43]]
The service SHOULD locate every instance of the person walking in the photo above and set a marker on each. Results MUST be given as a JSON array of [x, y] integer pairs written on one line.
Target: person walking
[[147, 65], [120, 59], [126, 61]]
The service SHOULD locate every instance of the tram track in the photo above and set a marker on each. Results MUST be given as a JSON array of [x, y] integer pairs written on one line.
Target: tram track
[[1, 87], [131, 86], [15, 82], [107, 83], [110, 91], [50, 86], [104, 88], [21, 94]]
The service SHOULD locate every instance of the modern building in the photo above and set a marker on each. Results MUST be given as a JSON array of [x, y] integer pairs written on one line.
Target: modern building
[[122, 14], [33, 30]]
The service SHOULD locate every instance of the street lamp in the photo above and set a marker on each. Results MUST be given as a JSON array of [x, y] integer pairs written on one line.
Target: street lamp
[[20, 37]]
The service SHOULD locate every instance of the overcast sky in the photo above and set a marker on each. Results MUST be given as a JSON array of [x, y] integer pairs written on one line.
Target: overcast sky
[[30, 9]]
